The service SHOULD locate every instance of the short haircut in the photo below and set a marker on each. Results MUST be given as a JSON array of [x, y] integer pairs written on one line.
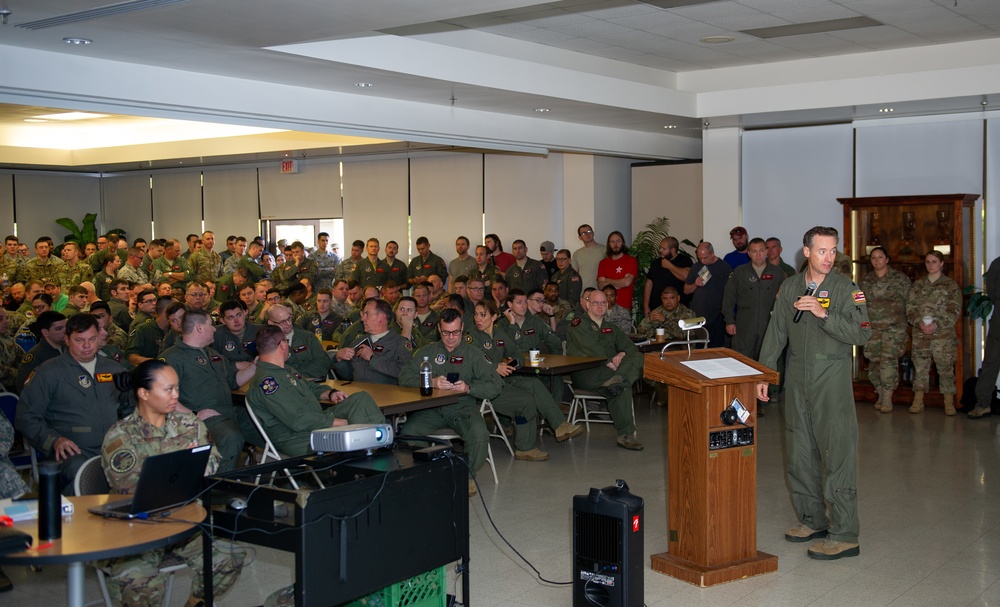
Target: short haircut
[[44, 322], [174, 308], [44, 297], [757, 240], [670, 290], [163, 302], [392, 242], [499, 281], [193, 318], [513, 293], [293, 288], [100, 305], [358, 243], [381, 306], [298, 245], [463, 238], [564, 252], [373, 239], [337, 282], [193, 284], [807, 238], [457, 301], [136, 242], [118, 282], [774, 239], [488, 305], [191, 237], [390, 284], [516, 293], [321, 235], [134, 250], [463, 279], [143, 294], [268, 338], [78, 323], [611, 288], [232, 304], [519, 241], [407, 298], [78, 290], [10, 238], [579, 230], [423, 240], [450, 315]]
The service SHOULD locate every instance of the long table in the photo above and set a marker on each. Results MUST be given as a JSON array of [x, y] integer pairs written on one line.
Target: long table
[[391, 399], [559, 364]]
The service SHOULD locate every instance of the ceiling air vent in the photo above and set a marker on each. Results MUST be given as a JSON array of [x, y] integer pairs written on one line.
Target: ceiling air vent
[[99, 12]]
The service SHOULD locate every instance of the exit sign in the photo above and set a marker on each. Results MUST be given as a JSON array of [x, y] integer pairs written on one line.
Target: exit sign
[[289, 166]]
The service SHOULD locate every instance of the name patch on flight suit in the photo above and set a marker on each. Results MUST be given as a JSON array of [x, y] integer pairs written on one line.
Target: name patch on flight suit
[[766, 276], [224, 287], [301, 348], [327, 322], [268, 385], [427, 266], [380, 270], [215, 358], [377, 348], [865, 325], [106, 377], [529, 332], [456, 360], [606, 330], [500, 343]]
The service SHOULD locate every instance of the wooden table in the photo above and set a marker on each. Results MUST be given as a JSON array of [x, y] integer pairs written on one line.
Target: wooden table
[[559, 364], [391, 399], [88, 537]]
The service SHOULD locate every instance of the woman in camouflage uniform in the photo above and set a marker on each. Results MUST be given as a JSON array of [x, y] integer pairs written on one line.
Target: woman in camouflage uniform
[[933, 307], [11, 483], [156, 426], [885, 290]]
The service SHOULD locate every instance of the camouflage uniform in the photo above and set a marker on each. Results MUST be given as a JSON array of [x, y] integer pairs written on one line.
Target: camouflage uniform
[[11, 483], [463, 417], [887, 311], [941, 299], [136, 276], [36, 269], [288, 408], [136, 580], [647, 328], [619, 317], [117, 337], [72, 276], [11, 266], [10, 359], [206, 265], [326, 262], [345, 271]]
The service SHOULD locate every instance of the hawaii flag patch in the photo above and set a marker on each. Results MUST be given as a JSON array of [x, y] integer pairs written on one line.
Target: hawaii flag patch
[[859, 297]]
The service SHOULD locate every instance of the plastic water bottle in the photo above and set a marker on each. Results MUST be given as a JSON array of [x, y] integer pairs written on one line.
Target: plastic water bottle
[[425, 378]]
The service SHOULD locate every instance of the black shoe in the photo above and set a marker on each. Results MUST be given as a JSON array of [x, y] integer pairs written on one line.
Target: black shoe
[[5, 584], [611, 390]]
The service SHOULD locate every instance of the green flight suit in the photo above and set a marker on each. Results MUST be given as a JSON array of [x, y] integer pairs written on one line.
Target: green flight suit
[[370, 274], [306, 355], [587, 338], [463, 417], [290, 272], [532, 276], [120, 315], [535, 334], [207, 380], [747, 301], [389, 355], [145, 340], [180, 265], [312, 322], [397, 272], [570, 284], [425, 267], [32, 359], [237, 348], [288, 408], [226, 289], [821, 426]]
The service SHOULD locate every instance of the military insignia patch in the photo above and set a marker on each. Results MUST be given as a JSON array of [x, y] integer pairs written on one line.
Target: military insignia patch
[[268, 385], [106, 377], [575, 322], [456, 360], [298, 349], [865, 324], [27, 358], [824, 301], [859, 297], [486, 344], [215, 358], [500, 343], [28, 380], [315, 322], [122, 461], [84, 380], [823, 294], [753, 278], [378, 348], [606, 330], [224, 287], [201, 360], [117, 357], [575, 279], [468, 338], [767, 276], [407, 345], [230, 346], [439, 359], [529, 331], [428, 323]]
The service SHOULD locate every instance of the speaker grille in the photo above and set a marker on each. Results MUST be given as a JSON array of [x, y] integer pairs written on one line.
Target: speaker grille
[[598, 538]]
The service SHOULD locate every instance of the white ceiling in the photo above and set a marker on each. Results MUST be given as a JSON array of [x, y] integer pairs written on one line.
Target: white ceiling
[[604, 68]]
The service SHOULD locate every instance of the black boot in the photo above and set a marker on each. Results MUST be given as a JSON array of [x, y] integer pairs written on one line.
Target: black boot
[[5, 584]]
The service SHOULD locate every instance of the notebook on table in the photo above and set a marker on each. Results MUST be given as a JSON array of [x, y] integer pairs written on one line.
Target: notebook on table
[[165, 481]]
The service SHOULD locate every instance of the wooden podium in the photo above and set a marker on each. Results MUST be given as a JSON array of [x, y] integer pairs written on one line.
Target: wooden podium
[[712, 484]]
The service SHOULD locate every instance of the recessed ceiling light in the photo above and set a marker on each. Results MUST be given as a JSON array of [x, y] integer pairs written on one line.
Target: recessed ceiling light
[[717, 39], [82, 41], [34, 120], [363, 85], [885, 110], [670, 126], [70, 116], [542, 109]]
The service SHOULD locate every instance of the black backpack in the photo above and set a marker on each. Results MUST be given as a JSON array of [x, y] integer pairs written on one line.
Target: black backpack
[[968, 400]]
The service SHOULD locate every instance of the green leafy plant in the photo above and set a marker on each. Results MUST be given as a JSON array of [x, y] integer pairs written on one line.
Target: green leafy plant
[[81, 233], [980, 307]]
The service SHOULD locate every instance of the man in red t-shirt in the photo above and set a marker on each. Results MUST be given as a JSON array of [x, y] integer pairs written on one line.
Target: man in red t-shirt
[[501, 259], [619, 269]]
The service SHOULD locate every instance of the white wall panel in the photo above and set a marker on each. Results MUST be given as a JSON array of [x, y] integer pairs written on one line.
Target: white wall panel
[[524, 199], [177, 205], [6, 204], [231, 204], [721, 184], [613, 194], [128, 205], [376, 202], [446, 201], [42, 198], [791, 181], [673, 191], [992, 198], [312, 193], [911, 157]]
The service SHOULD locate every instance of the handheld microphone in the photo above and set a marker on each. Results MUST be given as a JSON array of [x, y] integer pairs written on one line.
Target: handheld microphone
[[810, 289]]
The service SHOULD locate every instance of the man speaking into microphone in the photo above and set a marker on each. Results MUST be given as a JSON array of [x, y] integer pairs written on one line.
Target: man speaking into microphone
[[821, 427]]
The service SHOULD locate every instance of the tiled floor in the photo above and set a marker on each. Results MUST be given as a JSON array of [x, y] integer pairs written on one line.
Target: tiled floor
[[929, 491]]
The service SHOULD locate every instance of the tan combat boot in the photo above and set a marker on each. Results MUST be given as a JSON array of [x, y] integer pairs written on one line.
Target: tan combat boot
[[878, 399], [949, 404], [918, 402], [886, 400]]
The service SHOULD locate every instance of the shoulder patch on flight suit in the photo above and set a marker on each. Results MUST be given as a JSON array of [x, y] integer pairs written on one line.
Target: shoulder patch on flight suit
[[468, 338], [27, 358], [859, 297], [268, 385], [122, 461], [28, 380], [575, 322]]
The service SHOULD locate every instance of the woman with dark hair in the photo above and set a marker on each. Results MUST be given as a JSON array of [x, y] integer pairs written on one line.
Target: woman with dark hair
[[155, 427], [933, 308], [885, 290], [50, 330]]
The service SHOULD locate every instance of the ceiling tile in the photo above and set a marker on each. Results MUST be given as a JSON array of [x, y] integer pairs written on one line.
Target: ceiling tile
[[616, 12], [541, 36], [714, 10], [647, 21], [746, 22], [927, 28], [769, 6], [877, 7], [550, 18], [816, 13], [581, 45], [917, 15], [507, 28], [592, 28]]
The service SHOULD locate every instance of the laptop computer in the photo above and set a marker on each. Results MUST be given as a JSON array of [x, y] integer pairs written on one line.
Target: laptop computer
[[165, 481]]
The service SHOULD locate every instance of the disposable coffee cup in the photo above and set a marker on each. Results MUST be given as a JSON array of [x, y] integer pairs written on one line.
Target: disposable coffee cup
[[533, 357], [661, 334]]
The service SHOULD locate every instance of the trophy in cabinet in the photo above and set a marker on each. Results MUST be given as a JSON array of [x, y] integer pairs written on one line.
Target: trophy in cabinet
[[942, 240], [874, 229], [908, 243]]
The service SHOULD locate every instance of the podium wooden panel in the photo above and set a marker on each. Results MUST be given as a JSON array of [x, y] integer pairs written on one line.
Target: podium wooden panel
[[712, 494]]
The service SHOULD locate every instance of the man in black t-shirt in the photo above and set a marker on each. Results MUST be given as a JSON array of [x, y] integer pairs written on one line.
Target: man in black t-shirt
[[671, 270]]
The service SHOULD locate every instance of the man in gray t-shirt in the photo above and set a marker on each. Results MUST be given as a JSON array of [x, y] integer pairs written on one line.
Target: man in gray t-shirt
[[588, 257]]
